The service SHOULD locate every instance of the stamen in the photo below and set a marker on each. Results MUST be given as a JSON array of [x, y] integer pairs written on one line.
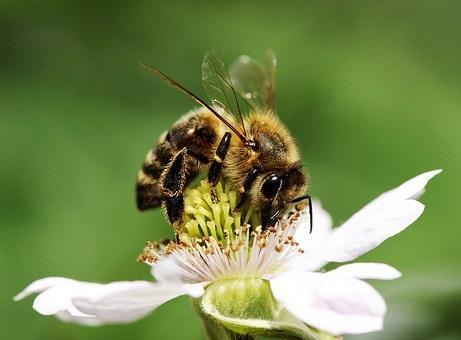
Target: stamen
[[218, 242]]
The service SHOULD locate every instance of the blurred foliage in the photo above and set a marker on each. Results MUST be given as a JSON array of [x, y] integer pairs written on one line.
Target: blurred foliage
[[371, 90]]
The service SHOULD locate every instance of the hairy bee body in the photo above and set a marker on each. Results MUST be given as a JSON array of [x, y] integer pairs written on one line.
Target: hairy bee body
[[253, 150], [200, 132]]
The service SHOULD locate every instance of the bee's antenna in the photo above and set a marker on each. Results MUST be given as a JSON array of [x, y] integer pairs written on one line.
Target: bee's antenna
[[311, 217], [173, 83]]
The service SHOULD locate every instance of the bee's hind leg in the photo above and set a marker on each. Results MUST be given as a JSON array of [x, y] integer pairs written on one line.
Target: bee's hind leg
[[216, 166], [172, 183]]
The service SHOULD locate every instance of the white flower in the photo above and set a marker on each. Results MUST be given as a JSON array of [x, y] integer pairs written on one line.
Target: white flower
[[287, 257]]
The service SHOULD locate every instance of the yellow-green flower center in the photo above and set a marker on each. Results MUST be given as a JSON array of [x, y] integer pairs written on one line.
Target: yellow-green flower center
[[217, 241], [205, 218]]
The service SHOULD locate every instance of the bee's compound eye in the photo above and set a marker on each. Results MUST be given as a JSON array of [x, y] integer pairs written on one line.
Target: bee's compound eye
[[271, 185]]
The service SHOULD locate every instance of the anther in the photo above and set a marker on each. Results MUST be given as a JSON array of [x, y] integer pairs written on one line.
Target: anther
[[300, 206]]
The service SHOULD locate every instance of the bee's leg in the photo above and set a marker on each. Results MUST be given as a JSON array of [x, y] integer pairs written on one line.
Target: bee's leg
[[172, 183], [268, 217], [148, 188], [249, 179], [311, 216], [216, 166]]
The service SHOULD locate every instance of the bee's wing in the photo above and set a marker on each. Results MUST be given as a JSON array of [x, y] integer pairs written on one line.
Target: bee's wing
[[255, 82], [219, 87]]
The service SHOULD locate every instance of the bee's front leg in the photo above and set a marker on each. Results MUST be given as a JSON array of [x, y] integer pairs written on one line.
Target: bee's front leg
[[172, 183], [249, 179], [216, 166]]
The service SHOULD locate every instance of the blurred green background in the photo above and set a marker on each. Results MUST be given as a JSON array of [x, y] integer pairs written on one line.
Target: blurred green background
[[370, 90]]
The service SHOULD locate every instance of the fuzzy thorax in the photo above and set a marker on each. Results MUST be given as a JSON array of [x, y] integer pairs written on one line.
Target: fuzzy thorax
[[218, 242]]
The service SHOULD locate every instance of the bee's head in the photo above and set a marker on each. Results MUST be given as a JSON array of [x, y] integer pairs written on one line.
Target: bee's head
[[276, 189]]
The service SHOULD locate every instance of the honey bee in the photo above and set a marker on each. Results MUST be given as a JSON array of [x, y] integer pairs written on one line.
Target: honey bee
[[252, 149]]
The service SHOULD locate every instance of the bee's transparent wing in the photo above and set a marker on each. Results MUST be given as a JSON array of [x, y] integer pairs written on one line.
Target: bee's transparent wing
[[219, 87], [255, 82]]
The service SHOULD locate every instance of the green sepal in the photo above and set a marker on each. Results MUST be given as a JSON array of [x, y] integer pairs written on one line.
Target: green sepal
[[242, 308]]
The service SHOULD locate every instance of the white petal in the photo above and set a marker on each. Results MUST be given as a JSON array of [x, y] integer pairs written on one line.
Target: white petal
[[381, 219], [59, 298], [41, 285], [94, 304], [331, 303], [322, 228], [121, 302], [82, 320], [167, 270], [412, 188], [380, 271]]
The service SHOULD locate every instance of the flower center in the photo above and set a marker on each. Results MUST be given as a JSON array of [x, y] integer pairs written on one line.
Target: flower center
[[205, 218], [217, 241]]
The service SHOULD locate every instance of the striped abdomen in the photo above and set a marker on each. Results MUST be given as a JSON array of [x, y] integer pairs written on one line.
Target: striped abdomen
[[198, 132]]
